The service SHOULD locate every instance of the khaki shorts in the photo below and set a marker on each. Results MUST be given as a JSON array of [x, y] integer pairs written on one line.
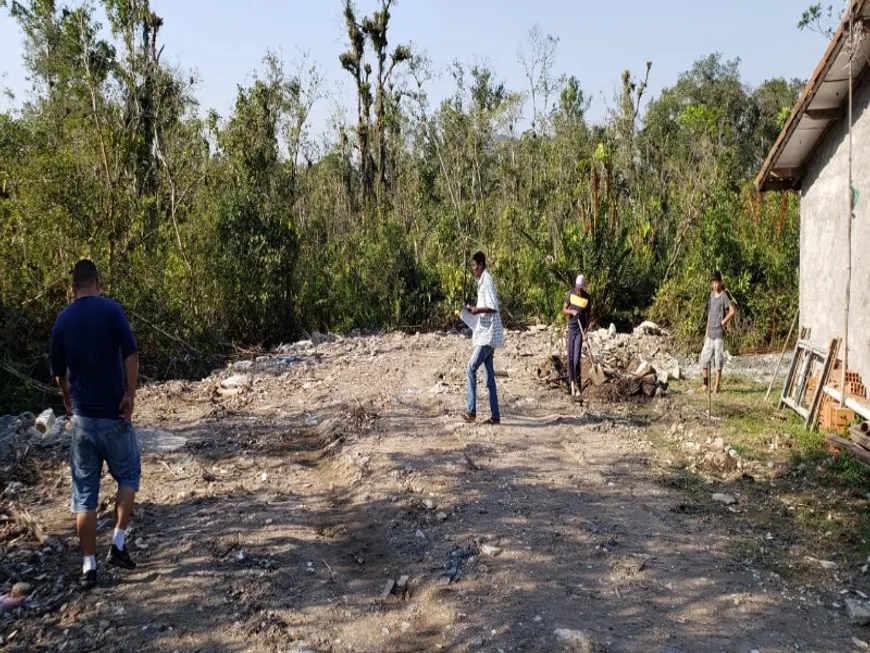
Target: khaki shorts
[[713, 354]]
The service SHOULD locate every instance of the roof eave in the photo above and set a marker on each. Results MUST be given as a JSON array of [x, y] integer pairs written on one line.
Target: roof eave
[[768, 179]]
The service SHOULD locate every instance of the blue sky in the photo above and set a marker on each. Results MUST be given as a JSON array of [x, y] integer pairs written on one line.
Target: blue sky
[[223, 42]]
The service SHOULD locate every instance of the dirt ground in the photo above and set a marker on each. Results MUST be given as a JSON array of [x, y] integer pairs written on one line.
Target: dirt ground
[[285, 511]]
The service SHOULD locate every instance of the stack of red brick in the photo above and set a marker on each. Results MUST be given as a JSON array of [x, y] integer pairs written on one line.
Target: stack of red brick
[[833, 417]]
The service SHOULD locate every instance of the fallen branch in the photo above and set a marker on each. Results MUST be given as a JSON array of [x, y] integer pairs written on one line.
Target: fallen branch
[[33, 382], [25, 519], [164, 332]]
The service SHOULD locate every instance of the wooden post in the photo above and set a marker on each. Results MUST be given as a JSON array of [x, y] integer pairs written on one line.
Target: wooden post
[[782, 355]]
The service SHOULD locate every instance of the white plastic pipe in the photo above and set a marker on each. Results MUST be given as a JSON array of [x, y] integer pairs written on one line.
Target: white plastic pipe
[[850, 9], [861, 409]]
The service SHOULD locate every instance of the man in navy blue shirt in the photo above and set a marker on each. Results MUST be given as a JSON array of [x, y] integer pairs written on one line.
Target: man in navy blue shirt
[[96, 364]]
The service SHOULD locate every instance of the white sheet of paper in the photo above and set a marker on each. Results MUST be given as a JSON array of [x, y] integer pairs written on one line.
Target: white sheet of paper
[[471, 320]]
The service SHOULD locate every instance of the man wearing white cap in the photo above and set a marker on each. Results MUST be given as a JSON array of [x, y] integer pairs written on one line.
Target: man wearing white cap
[[577, 306]]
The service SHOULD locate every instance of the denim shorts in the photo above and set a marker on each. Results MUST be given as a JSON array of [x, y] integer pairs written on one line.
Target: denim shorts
[[94, 441]]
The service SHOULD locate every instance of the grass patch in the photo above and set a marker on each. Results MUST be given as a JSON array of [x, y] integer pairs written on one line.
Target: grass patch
[[817, 522], [846, 524], [811, 452], [757, 430], [850, 472], [811, 448], [749, 424], [744, 450], [819, 503]]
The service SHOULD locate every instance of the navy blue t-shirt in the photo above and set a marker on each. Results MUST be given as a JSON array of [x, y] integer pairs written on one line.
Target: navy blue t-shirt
[[90, 340]]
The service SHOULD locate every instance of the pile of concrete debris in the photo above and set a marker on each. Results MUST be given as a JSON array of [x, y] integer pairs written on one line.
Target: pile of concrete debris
[[19, 434], [238, 377], [640, 353], [301, 357], [634, 364]]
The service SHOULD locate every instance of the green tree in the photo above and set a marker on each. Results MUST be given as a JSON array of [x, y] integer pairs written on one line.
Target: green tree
[[246, 229]]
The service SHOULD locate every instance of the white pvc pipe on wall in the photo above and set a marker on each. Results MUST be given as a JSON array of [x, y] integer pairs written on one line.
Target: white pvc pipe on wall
[[851, 404]]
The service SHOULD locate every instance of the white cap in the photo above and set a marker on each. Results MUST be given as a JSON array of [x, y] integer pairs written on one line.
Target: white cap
[[581, 281]]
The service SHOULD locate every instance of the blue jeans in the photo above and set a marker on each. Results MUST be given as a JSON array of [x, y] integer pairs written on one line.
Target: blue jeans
[[94, 441], [482, 356]]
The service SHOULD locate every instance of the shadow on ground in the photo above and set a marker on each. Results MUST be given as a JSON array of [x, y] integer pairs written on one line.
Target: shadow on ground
[[277, 534]]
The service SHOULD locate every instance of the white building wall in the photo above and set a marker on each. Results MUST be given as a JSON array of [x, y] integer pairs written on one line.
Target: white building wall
[[824, 206]]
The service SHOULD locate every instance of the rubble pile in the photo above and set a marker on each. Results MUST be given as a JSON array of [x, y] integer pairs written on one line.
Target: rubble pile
[[303, 353], [713, 455], [29, 554], [640, 353], [22, 433], [635, 364]]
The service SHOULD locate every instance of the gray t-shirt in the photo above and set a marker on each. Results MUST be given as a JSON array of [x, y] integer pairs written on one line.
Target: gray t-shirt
[[719, 307]]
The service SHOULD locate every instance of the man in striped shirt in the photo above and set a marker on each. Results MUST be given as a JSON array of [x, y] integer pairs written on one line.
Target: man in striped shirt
[[488, 336]]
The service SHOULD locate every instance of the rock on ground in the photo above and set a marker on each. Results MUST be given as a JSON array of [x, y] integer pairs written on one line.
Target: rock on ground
[[575, 641], [858, 611]]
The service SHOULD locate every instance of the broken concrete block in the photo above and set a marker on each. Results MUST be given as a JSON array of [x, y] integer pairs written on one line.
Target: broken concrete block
[[858, 611], [389, 588], [236, 381], [648, 328], [45, 421], [643, 369]]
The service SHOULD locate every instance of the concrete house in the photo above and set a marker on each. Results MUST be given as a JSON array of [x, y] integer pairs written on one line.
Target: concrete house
[[811, 156]]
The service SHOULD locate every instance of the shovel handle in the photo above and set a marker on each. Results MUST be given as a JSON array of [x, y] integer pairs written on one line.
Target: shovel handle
[[589, 348]]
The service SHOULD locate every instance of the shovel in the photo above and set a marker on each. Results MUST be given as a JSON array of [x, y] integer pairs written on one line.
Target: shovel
[[596, 372]]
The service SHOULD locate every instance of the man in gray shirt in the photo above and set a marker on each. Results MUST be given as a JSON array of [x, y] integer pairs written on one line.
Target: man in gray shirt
[[719, 313]]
